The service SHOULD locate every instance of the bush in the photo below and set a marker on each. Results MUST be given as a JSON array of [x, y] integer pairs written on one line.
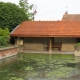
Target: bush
[[3, 41], [4, 36], [77, 44]]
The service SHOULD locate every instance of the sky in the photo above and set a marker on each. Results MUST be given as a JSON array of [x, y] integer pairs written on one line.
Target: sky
[[52, 10]]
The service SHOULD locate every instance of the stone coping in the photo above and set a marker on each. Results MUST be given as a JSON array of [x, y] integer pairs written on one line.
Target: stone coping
[[8, 47], [53, 52]]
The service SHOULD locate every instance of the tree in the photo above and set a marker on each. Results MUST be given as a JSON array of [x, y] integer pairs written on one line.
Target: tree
[[11, 15], [26, 7]]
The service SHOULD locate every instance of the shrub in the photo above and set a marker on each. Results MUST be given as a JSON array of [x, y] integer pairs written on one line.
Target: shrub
[[4, 36], [3, 41], [77, 44]]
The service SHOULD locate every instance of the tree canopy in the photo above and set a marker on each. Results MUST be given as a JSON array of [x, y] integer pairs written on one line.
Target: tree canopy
[[26, 7], [11, 15]]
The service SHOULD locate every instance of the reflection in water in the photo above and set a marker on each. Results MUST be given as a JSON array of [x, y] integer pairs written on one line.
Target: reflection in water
[[7, 61], [77, 59], [40, 67]]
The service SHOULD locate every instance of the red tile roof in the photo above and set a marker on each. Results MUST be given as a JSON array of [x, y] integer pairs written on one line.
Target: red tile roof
[[47, 29], [71, 17]]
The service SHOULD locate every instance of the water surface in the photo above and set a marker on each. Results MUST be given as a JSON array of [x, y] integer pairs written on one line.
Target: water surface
[[40, 67]]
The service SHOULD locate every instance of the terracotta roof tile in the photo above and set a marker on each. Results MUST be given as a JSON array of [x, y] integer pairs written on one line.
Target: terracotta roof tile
[[71, 17], [48, 29]]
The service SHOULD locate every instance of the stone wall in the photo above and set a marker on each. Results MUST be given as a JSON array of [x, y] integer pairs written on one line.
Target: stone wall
[[8, 61], [7, 52], [35, 43], [68, 44], [77, 53]]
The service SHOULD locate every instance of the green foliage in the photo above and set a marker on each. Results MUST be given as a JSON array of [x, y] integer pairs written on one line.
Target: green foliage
[[77, 44], [3, 41], [6, 33], [1, 32], [26, 7], [4, 36], [11, 15]]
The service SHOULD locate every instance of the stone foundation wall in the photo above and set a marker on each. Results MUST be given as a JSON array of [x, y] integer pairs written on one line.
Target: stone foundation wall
[[7, 52], [77, 53], [35, 43], [68, 44], [8, 61]]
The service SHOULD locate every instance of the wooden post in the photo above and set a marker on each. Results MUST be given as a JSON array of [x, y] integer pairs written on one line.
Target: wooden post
[[50, 44], [18, 41]]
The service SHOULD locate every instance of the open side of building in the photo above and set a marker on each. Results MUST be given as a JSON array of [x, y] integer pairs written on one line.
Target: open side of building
[[40, 35]]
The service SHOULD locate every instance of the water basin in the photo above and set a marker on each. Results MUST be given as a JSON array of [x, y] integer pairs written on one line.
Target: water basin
[[40, 67]]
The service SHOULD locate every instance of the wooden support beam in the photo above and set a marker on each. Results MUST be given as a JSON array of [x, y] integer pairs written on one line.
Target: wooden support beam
[[50, 44]]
